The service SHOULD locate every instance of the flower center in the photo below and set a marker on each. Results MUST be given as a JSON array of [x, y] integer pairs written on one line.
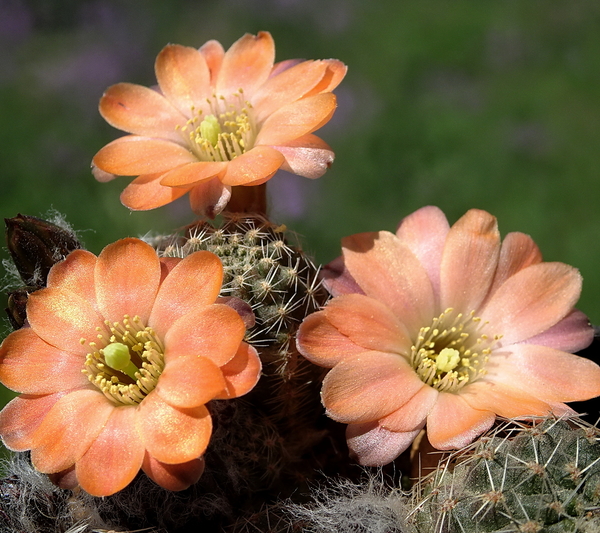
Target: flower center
[[125, 366], [223, 130], [453, 351]]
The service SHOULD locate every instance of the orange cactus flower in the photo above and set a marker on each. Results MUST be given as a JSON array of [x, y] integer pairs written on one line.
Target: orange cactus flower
[[219, 119], [446, 327], [122, 354]]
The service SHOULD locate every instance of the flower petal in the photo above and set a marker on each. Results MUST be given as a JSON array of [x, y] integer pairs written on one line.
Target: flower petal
[[336, 71], [571, 334], [247, 64], [127, 277], [146, 192], [368, 386], [254, 167], [173, 477], [76, 274], [208, 198], [173, 435], [193, 283], [372, 445], [213, 53], [412, 414], [307, 156], [241, 373], [469, 261], [114, 458], [338, 280], [188, 175], [141, 111], [183, 77], [532, 300], [133, 155], [453, 423], [297, 119], [69, 429]]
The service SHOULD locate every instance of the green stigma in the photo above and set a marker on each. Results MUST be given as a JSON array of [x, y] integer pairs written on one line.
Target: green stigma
[[116, 355], [447, 360], [210, 129]]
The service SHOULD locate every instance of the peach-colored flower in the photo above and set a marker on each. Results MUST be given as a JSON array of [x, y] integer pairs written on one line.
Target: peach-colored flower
[[220, 119], [448, 327], [95, 425]]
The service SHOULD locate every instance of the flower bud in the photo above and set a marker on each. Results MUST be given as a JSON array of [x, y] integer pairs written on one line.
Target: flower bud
[[17, 302]]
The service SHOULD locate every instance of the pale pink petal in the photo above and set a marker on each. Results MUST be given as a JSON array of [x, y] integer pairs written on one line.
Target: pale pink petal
[[173, 477], [388, 271], [469, 261], [115, 456], [241, 307], [188, 175], [282, 66], [146, 192], [372, 445], [173, 435], [336, 71], [141, 111], [413, 413], [133, 155], [102, 177], [183, 77], [76, 274], [192, 284], [424, 232], [208, 198], [29, 365], [338, 280], [308, 156], [531, 301], [247, 64], [241, 373], [254, 167], [452, 423], [69, 429], [368, 386], [127, 277], [65, 479], [213, 53], [572, 334], [548, 374]]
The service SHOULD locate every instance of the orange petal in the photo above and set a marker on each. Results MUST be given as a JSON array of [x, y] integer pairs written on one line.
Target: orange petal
[[183, 77], [146, 192], [193, 283], [532, 301], [141, 111], [208, 198], [297, 119], [469, 261], [373, 445], [307, 156], [188, 175], [571, 334], [69, 429], [241, 373], [335, 73], [62, 319], [21, 417], [127, 277], [452, 423], [133, 155], [253, 167], [29, 365], [173, 435], [368, 386], [388, 271], [114, 458], [76, 274], [190, 381], [173, 477], [411, 416], [213, 53], [247, 64]]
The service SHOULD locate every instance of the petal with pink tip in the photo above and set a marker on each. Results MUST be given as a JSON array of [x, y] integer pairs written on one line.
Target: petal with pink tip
[[127, 277], [174, 477], [146, 192], [115, 456], [297, 119], [254, 167], [208, 198], [338, 280], [572, 334], [188, 175], [172, 435], [62, 319], [548, 374], [31, 366], [193, 283], [141, 111], [183, 77], [133, 155], [65, 479], [413, 413], [424, 232], [213, 53], [453, 423], [247, 64], [368, 386], [69, 429], [469, 261], [372, 445], [532, 300], [76, 274], [335, 73], [241, 373], [307, 156], [190, 381], [388, 271]]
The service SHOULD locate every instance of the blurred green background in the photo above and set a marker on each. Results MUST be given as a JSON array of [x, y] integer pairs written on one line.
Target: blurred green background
[[461, 104]]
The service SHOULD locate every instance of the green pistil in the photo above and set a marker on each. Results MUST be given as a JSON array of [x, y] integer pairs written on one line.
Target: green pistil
[[117, 356], [447, 360], [210, 129]]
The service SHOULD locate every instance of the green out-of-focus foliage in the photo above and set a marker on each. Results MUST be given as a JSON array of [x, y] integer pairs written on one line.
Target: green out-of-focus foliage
[[460, 104]]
